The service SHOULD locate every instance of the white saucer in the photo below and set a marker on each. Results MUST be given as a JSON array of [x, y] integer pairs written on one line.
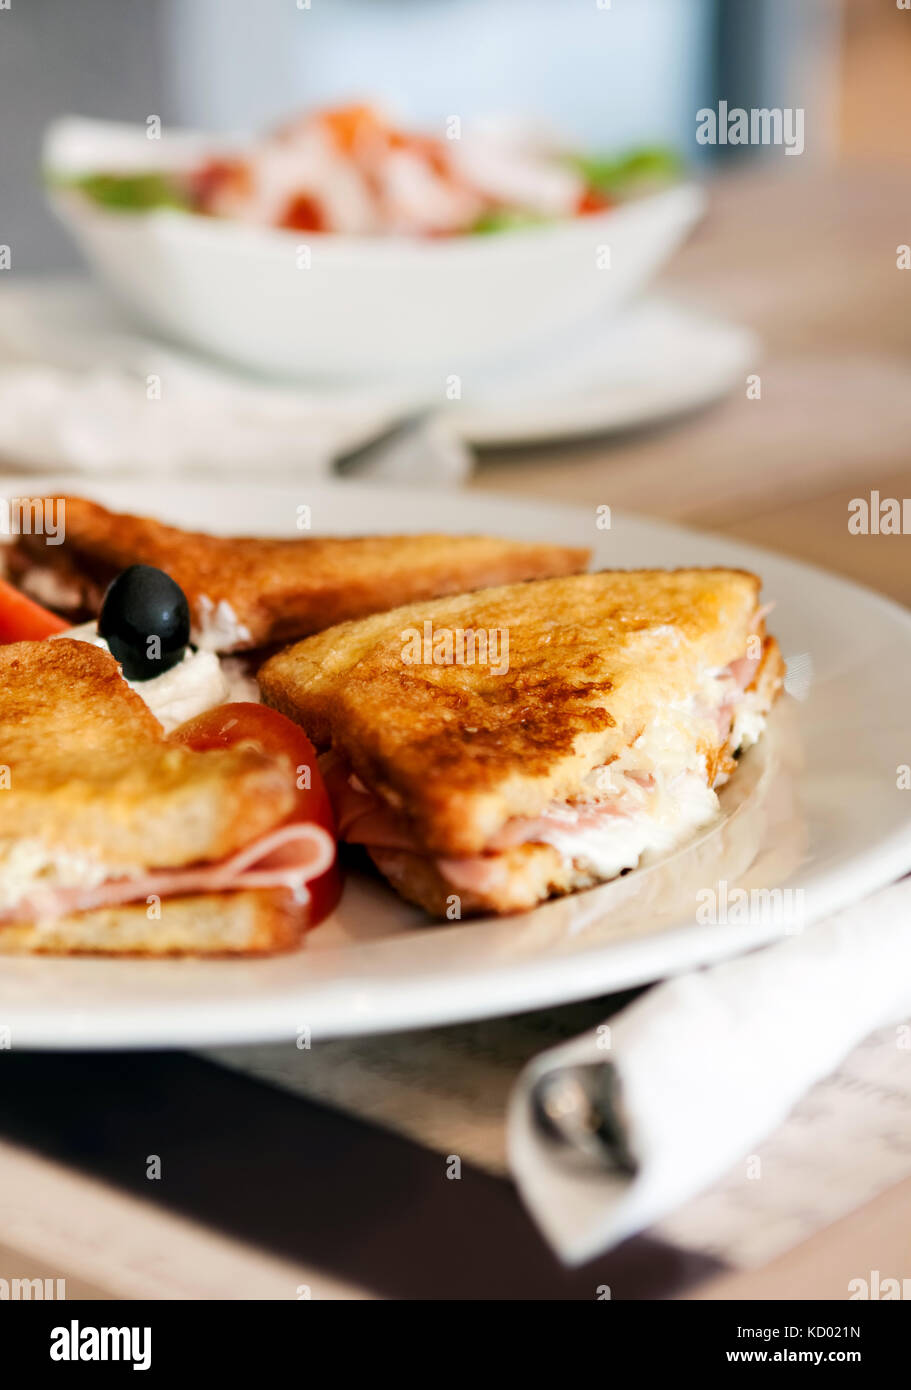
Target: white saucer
[[656, 360], [74, 393]]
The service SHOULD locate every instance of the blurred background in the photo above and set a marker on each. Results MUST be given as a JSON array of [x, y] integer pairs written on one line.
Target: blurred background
[[231, 64]]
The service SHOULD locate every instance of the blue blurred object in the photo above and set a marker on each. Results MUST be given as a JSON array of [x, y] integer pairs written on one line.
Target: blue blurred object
[[623, 74]]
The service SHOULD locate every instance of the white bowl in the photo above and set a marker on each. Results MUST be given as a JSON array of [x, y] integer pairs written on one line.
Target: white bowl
[[318, 305]]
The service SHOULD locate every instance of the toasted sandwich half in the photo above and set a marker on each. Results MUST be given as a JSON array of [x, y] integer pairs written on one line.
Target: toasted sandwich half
[[605, 712], [246, 592], [113, 839]]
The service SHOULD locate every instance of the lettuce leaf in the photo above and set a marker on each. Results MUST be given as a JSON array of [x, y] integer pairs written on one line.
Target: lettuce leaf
[[507, 220], [621, 175], [130, 192]]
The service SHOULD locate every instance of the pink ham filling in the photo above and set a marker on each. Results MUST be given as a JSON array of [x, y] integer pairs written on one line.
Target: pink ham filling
[[743, 672], [364, 820], [289, 857]]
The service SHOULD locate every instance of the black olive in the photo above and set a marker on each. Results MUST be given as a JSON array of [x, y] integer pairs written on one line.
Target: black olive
[[145, 620]]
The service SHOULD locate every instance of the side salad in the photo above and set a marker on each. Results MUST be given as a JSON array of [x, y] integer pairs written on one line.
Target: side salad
[[351, 171]]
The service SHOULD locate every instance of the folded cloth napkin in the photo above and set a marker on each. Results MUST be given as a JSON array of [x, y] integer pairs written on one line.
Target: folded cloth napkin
[[81, 391], [700, 1068]]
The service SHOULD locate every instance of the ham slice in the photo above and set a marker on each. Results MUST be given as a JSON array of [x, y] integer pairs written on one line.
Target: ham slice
[[288, 857], [744, 670], [475, 873], [584, 816], [361, 817]]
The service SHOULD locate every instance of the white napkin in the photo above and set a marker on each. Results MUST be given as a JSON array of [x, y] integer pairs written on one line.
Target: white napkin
[[81, 391], [710, 1063]]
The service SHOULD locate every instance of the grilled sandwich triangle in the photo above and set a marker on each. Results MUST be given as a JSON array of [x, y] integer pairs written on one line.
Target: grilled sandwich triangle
[[102, 818], [246, 592], [591, 725]]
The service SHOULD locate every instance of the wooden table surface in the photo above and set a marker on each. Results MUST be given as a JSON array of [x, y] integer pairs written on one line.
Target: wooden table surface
[[809, 263]]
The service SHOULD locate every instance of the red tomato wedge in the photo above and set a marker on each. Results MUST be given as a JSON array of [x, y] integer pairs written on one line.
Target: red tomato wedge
[[591, 202], [245, 722], [23, 620]]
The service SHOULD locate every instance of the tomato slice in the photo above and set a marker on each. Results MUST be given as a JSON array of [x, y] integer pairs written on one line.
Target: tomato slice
[[245, 722], [303, 214], [350, 127], [592, 201], [23, 620]]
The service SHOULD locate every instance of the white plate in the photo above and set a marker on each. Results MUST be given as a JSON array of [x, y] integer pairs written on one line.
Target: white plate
[[815, 807], [311, 305]]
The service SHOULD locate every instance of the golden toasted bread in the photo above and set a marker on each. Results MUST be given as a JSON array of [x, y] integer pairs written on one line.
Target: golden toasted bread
[[89, 768], [246, 593], [458, 750], [250, 922]]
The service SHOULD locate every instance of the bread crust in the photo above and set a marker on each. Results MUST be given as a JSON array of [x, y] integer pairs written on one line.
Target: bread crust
[[249, 922], [281, 589], [529, 875]]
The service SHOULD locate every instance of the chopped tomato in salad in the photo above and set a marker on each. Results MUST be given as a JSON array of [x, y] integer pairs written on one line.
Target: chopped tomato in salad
[[23, 620], [303, 214], [245, 722]]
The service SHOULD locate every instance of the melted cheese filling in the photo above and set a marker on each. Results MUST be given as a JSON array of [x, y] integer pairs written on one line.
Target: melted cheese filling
[[657, 793], [619, 842], [29, 868], [216, 627]]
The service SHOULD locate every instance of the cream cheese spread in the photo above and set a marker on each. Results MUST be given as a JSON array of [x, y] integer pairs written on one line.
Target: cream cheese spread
[[216, 627], [28, 866], [198, 682], [660, 784], [621, 841]]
